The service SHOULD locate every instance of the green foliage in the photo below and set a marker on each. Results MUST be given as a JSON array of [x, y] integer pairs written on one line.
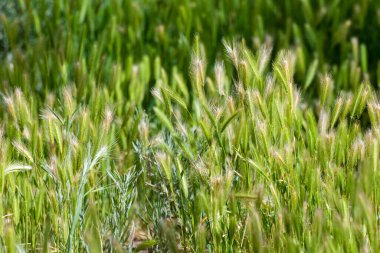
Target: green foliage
[[189, 126]]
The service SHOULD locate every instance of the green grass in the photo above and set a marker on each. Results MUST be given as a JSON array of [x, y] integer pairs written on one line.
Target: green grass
[[189, 126]]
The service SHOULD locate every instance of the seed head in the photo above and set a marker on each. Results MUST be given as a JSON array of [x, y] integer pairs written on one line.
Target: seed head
[[219, 77], [157, 94], [201, 168], [323, 122], [232, 52], [8, 100], [68, 93], [198, 69], [264, 56], [143, 128], [23, 150], [358, 149], [108, 118]]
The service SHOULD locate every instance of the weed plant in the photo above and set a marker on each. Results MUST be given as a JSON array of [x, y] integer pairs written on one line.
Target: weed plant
[[189, 126]]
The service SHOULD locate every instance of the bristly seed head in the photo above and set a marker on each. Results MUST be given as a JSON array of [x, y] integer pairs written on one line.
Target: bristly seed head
[[358, 149], [68, 93], [23, 150], [233, 52], [269, 85], [8, 100], [143, 128], [198, 69], [217, 111], [26, 133], [108, 118], [264, 56], [240, 88], [47, 114], [201, 168], [216, 182], [296, 97], [219, 77], [157, 94], [323, 122]]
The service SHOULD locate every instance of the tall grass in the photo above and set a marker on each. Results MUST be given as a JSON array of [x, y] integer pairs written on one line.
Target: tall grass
[[192, 126]]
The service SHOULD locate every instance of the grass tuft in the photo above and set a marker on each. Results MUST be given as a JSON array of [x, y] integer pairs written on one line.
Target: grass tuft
[[189, 126]]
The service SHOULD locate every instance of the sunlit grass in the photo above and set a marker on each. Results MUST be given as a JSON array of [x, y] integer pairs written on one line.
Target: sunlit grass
[[189, 126]]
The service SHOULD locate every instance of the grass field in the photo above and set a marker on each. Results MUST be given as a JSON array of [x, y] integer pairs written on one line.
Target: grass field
[[189, 126]]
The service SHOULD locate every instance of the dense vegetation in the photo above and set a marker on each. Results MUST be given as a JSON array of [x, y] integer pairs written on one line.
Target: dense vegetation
[[189, 126]]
